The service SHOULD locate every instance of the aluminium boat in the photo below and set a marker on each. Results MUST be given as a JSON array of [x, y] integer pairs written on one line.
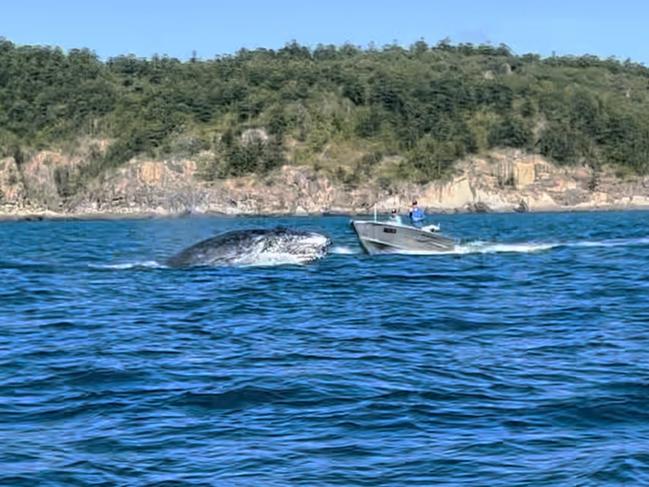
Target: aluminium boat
[[378, 237]]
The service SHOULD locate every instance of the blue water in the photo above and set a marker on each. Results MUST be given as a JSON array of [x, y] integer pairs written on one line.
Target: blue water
[[521, 360]]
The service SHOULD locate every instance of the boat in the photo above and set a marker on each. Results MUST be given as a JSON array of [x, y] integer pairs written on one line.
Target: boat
[[380, 237]]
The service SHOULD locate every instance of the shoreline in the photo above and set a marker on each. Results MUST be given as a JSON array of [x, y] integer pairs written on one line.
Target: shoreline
[[502, 181], [34, 216]]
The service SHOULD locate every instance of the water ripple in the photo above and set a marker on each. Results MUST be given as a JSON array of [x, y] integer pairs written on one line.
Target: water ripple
[[521, 359]]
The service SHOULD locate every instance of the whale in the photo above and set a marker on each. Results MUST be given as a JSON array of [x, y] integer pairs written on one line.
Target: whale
[[249, 247]]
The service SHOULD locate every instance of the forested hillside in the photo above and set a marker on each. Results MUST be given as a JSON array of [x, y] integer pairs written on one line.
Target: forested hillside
[[429, 104]]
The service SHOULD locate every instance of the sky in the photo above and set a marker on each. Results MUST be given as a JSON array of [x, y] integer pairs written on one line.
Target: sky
[[178, 28]]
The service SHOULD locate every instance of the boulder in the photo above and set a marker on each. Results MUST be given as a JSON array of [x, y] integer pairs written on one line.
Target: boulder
[[479, 207], [522, 207]]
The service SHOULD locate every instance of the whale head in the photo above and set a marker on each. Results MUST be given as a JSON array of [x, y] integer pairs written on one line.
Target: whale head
[[296, 246], [252, 247]]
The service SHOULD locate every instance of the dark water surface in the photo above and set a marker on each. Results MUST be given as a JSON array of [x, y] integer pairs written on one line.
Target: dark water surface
[[523, 359]]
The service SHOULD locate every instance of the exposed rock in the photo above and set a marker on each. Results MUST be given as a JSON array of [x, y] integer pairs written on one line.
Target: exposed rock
[[507, 180], [478, 207], [12, 189], [39, 176], [524, 173], [453, 194]]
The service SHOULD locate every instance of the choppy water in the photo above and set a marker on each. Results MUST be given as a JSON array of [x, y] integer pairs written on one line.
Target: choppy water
[[522, 359]]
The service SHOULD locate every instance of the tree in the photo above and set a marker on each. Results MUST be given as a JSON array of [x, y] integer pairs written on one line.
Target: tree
[[428, 104]]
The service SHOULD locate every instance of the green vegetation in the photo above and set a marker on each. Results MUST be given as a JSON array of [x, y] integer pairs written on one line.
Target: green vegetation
[[429, 104]]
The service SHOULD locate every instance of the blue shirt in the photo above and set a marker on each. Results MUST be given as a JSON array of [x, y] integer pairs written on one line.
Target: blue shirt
[[416, 214]]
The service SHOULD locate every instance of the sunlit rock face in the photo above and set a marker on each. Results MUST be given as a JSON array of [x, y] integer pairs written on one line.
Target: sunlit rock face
[[47, 182]]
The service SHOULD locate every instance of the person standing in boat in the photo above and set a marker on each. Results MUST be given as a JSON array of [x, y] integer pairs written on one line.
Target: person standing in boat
[[416, 214], [395, 217]]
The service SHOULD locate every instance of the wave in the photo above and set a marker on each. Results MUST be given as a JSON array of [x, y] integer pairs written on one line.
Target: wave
[[144, 264], [267, 259]]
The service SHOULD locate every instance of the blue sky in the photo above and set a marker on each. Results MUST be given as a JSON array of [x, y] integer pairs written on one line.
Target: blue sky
[[177, 28]]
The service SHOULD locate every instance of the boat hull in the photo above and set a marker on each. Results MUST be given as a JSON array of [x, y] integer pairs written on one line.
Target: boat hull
[[382, 238]]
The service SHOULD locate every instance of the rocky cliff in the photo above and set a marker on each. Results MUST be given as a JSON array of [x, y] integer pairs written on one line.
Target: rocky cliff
[[502, 181]]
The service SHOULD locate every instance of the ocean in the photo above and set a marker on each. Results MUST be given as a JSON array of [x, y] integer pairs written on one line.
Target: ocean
[[520, 359]]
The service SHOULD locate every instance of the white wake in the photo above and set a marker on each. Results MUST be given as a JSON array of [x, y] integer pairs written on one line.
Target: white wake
[[478, 247], [614, 242], [481, 247], [344, 250]]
